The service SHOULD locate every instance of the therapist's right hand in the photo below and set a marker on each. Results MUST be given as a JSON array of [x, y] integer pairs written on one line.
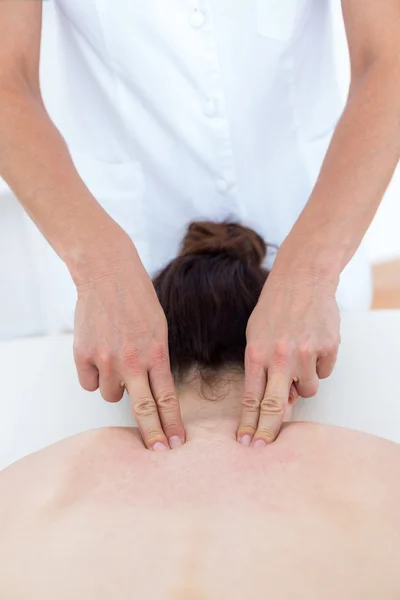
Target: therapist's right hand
[[121, 339]]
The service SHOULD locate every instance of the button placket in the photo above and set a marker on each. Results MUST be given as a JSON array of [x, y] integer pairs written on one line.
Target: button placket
[[225, 183], [196, 18], [213, 107]]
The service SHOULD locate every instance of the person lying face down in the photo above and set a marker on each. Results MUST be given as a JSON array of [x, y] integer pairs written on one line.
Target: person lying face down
[[315, 514]]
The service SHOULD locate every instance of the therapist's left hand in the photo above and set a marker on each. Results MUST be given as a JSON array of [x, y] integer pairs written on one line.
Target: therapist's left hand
[[293, 337]]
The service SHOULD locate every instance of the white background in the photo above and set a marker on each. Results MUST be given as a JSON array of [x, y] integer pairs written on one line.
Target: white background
[[27, 305]]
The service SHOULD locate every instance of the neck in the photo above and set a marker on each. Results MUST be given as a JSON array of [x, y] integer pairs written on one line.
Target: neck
[[212, 412]]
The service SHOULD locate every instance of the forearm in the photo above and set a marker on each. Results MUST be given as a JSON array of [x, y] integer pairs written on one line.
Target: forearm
[[36, 164], [358, 167]]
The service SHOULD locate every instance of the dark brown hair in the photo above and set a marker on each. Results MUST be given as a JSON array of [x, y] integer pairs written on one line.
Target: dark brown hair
[[208, 294]]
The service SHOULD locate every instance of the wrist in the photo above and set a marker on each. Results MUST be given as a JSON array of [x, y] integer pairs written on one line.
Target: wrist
[[99, 254], [311, 262]]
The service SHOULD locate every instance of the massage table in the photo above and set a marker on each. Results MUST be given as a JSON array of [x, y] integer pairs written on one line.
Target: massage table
[[41, 401]]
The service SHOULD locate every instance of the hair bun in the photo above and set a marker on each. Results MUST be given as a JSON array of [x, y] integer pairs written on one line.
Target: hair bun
[[207, 237]]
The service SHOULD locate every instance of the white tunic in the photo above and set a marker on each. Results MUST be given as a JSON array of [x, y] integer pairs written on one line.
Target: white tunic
[[198, 109]]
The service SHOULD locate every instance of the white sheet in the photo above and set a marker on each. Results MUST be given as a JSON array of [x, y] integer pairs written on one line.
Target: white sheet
[[41, 401]]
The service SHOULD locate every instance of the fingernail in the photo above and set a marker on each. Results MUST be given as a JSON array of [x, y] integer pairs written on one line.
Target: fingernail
[[259, 444], [175, 441], [245, 440], [159, 446]]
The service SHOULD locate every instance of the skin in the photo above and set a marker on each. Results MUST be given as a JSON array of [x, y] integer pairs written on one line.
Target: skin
[[98, 512], [293, 334], [120, 330]]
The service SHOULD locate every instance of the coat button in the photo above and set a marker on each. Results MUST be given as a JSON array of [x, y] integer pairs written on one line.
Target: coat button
[[209, 108], [221, 186], [196, 19]]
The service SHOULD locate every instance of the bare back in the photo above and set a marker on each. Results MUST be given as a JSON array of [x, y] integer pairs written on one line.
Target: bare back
[[99, 516]]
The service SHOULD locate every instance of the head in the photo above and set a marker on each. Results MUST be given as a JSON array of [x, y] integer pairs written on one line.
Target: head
[[208, 294]]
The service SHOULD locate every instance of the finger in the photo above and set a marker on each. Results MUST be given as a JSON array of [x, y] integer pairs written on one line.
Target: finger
[[306, 371], [293, 394], [111, 388], [163, 391], [288, 413], [88, 374], [145, 410], [308, 388], [273, 406], [326, 364], [254, 388], [293, 397]]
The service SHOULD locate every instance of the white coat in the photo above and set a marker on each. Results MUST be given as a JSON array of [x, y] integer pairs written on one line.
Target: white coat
[[198, 109]]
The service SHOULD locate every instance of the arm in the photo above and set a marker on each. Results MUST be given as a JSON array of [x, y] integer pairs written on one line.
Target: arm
[[34, 159], [293, 335], [364, 150], [121, 337]]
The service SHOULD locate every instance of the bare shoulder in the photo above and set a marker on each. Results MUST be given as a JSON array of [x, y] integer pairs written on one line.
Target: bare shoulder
[[42, 477], [335, 436], [350, 462], [342, 444]]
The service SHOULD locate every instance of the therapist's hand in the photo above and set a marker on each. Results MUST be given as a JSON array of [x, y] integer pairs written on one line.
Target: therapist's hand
[[121, 339], [293, 337]]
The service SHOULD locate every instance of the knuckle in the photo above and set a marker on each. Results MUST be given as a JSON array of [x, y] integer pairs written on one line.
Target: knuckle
[[266, 434], [114, 395], [83, 358], [309, 389], [89, 386], [104, 358], [130, 359], [312, 388], [282, 352], [329, 352], [111, 399], [170, 428], [104, 365], [144, 406], [255, 353], [330, 348], [167, 402], [159, 353], [306, 352], [325, 365], [246, 430], [81, 354], [153, 436], [325, 374], [250, 402], [272, 404]]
